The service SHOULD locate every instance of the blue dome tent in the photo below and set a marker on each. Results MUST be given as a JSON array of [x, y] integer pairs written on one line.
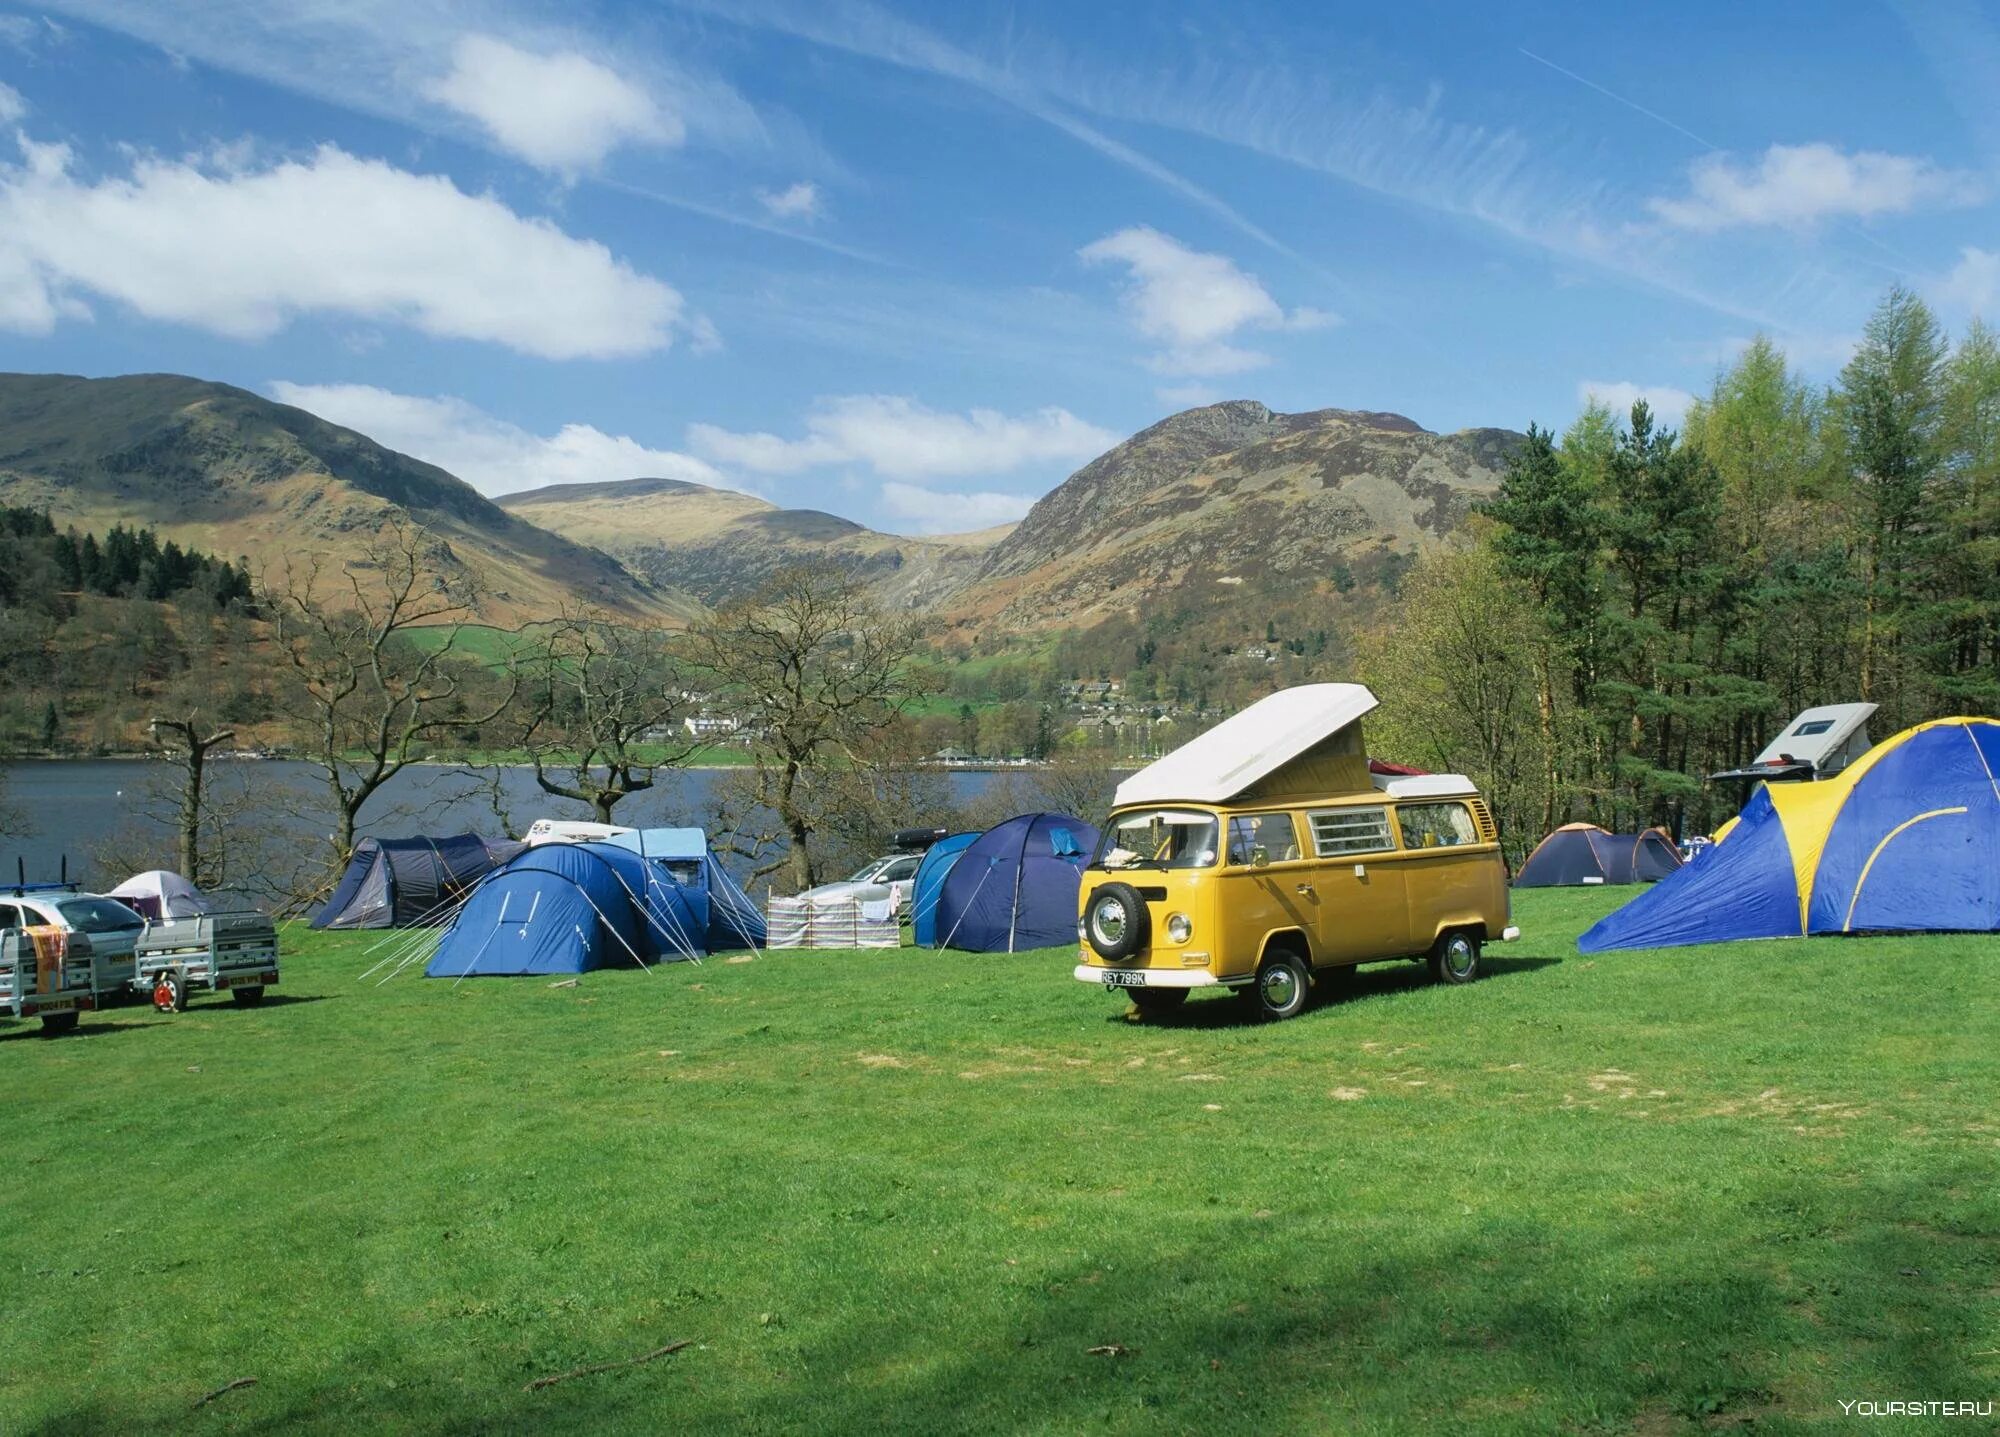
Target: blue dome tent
[[928, 886], [1902, 840], [1015, 886], [1580, 853], [724, 914], [569, 908], [403, 882]]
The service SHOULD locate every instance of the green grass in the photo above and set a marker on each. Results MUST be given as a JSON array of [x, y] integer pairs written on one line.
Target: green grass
[[908, 1192], [488, 645]]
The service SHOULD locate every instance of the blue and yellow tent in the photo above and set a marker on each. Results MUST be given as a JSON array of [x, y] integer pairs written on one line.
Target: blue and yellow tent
[[1902, 840]]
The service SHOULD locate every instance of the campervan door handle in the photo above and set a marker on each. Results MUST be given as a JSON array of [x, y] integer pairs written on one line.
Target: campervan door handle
[[1306, 888]]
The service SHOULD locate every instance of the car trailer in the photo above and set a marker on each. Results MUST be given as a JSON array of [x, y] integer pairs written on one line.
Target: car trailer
[[234, 953], [43, 976]]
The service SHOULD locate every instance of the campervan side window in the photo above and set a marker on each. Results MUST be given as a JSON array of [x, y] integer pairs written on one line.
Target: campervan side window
[[1267, 833], [1436, 825], [1343, 831]]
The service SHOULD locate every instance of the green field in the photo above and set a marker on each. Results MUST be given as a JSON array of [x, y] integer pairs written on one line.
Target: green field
[[1719, 1188]]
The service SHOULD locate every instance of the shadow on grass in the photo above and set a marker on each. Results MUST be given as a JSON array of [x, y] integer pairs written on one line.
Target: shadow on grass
[[1335, 990], [30, 1029]]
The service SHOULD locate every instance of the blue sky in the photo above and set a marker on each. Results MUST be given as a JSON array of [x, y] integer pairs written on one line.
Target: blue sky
[[916, 264]]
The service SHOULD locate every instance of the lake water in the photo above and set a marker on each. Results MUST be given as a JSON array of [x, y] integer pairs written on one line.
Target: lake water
[[74, 809]]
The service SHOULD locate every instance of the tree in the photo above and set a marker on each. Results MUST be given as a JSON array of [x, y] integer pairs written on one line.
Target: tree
[[188, 741], [816, 670], [51, 726], [371, 660], [602, 691], [1550, 527], [1891, 404]]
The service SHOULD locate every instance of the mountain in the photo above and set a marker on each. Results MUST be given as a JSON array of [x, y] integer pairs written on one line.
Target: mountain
[[1230, 504], [719, 544], [235, 474]]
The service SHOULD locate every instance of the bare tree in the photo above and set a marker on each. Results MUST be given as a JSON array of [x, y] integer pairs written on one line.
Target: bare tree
[[374, 665], [816, 670], [186, 742], [606, 707]]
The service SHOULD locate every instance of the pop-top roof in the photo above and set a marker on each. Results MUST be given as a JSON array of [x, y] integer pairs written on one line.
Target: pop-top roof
[[1817, 734], [1248, 746], [663, 842]]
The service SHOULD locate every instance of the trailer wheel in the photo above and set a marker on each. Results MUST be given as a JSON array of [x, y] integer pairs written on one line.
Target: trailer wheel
[[170, 993], [247, 997], [54, 1025]]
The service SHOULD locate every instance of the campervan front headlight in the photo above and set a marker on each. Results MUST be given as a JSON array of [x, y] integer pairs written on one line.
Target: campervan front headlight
[[1179, 929]]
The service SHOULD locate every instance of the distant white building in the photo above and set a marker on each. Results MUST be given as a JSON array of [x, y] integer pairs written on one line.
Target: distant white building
[[710, 725]]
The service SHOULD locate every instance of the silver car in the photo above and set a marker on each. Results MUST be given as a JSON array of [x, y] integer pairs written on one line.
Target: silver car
[[895, 874], [107, 927]]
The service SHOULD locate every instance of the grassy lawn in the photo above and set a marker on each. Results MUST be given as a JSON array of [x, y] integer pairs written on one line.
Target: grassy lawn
[[911, 1192]]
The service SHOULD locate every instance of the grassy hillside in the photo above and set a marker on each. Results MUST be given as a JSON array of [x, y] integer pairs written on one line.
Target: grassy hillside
[[902, 1191]]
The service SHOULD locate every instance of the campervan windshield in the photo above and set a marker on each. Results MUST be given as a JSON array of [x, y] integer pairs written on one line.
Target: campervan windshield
[[1158, 838]]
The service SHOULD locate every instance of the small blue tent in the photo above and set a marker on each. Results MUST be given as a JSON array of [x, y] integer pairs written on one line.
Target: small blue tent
[[928, 886], [568, 908], [724, 913], [1015, 886], [1902, 840], [1580, 853]]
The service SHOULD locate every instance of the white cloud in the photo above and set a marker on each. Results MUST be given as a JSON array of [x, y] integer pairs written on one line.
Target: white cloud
[[1973, 283], [241, 253], [1193, 303], [1669, 405], [898, 438], [559, 111], [489, 453], [12, 106], [797, 202], [932, 511], [1799, 185]]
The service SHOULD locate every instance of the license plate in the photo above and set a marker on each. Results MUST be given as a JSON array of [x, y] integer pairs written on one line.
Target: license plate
[[63, 1005], [1124, 978]]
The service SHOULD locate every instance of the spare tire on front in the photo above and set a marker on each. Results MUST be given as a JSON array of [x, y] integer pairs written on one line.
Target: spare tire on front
[[1116, 923]]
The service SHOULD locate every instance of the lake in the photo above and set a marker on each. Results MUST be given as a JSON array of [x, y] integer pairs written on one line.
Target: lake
[[74, 809]]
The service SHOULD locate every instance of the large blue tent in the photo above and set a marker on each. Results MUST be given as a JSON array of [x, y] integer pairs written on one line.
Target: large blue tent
[[928, 886], [1902, 840], [1015, 886], [568, 908], [724, 914]]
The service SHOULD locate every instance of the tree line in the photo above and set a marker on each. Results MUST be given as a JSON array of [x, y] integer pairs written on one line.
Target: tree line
[[1640, 607]]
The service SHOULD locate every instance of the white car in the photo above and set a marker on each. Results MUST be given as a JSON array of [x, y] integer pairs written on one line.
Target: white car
[[894, 875], [108, 927]]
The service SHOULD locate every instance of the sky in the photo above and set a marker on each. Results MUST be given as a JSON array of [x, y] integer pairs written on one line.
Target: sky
[[916, 264]]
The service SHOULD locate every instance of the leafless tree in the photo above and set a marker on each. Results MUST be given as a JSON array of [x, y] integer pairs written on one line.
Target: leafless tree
[[375, 667], [605, 711], [186, 742], [816, 670]]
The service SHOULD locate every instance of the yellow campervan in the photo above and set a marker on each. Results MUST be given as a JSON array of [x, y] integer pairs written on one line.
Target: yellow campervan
[[1266, 852]]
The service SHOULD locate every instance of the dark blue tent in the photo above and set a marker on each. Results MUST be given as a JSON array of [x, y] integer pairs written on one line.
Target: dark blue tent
[[928, 886], [1015, 886], [724, 913], [401, 882], [568, 908], [1579, 853]]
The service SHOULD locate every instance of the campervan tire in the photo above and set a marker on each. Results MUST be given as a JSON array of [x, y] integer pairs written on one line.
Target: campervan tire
[[1455, 956], [1282, 988], [247, 997], [54, 1025], [1116, 923], [1157, 1002]]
